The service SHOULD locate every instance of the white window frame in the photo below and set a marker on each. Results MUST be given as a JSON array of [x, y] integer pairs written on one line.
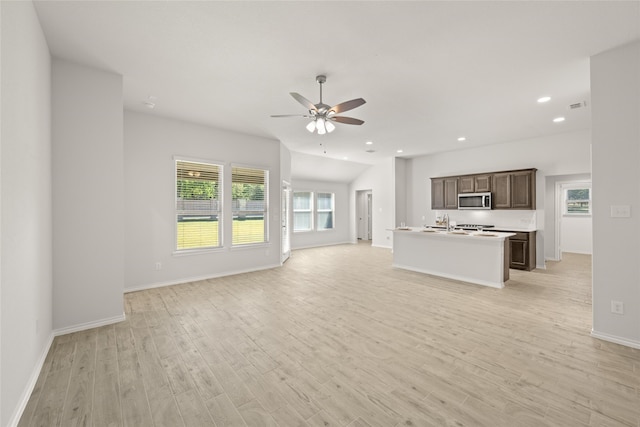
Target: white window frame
[[264, 212], [310, 211], [577, 186], [318, 211], [219, 212]]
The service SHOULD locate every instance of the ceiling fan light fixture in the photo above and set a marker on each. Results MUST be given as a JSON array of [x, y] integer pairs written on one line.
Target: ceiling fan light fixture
[[330, 126], [311, 126], [320, 126]]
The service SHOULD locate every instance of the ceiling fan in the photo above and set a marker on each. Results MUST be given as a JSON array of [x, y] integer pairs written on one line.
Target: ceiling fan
[[322, 116]]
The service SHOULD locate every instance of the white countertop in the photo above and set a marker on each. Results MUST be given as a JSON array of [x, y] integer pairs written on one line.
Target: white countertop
[[500, 228], [455, 233]]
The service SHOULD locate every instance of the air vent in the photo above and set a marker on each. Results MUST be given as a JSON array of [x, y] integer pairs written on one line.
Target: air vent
[[578, 105], [370, 151]]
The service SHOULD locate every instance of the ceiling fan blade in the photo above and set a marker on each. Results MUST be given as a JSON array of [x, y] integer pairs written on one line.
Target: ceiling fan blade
[[306, 116], [304, 101], [347, 105], [346, 120]]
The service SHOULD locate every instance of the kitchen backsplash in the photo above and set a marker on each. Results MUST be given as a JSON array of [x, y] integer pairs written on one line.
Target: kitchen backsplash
[[519, 219]]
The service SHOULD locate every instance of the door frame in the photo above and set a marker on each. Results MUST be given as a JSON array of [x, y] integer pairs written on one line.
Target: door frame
[[285, 221]]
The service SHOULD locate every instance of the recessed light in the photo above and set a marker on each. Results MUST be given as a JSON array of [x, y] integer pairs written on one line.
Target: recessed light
[[462, 138], [369, 142], [544, 99], [558, 119], [399, 151]]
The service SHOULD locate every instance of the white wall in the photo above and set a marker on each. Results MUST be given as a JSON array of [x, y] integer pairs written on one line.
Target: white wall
[[25, 190], [615, 96], [380, 180], [566, 153], [575, 234], [88, 196], [400, 187], [342, 223], [151, 143]]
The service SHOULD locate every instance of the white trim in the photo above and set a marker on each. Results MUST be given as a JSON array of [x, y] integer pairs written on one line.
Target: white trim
[[321, 245], [382, 246], [615, 339], [33, 378], [89, 325], [197, 278], [37, 370]]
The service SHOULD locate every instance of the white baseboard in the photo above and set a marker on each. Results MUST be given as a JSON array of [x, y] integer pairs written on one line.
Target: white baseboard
[[382, 246], [89, 325], [197, 278], [33, 378], [615, 339], [321, 245]]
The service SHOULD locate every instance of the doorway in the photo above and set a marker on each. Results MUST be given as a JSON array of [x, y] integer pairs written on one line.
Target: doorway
[[567, 231], [286, 221], [364, 204], [573, 218]]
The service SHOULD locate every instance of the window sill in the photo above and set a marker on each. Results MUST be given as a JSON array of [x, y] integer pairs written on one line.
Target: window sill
[[187, 252], [249, 246]]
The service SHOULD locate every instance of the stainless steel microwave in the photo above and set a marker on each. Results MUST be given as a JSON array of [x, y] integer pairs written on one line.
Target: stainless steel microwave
[[474, 201]]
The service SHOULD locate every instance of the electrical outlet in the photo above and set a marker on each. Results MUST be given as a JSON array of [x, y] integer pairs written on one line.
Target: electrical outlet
[[158, 265], [617, 307]]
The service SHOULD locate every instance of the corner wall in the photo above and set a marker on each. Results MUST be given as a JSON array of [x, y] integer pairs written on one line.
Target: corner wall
[[615, 97], [88, 197], [380, 180], [151, 142], [25, 200]]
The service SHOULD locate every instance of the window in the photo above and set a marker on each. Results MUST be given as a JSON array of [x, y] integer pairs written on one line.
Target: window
[[249, 205], [197, 205], [305, 211], [324, 211], [302, 211], [578, 201]]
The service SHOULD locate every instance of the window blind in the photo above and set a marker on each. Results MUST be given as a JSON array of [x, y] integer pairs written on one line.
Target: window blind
[[302, 211], [325, 211], [249, 208], [197, 205]]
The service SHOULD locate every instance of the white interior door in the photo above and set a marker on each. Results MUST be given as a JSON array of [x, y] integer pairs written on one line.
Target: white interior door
[[363, 214], [286, 221]]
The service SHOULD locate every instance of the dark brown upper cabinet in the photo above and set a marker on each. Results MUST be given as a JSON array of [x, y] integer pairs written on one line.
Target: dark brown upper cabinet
[[509, 190], [474, 183], [501, 196], [483, 183], [514, 189], [444, 193]]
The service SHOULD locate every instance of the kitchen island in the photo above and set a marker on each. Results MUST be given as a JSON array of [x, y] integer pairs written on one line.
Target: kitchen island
[[476, 257]]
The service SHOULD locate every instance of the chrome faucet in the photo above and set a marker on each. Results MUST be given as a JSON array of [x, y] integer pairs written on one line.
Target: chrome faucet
[[445, 220]]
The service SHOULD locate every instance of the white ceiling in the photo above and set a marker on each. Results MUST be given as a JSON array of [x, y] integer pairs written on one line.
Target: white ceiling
[[429, 71]]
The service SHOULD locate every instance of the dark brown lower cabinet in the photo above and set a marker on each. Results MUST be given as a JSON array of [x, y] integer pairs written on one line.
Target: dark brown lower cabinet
[[522, 247]]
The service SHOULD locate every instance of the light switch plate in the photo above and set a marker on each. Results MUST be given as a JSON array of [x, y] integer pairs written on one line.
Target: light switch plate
[[620, 211]]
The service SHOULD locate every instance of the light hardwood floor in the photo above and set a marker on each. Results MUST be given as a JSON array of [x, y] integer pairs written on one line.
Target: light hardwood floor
[[337, 337]]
